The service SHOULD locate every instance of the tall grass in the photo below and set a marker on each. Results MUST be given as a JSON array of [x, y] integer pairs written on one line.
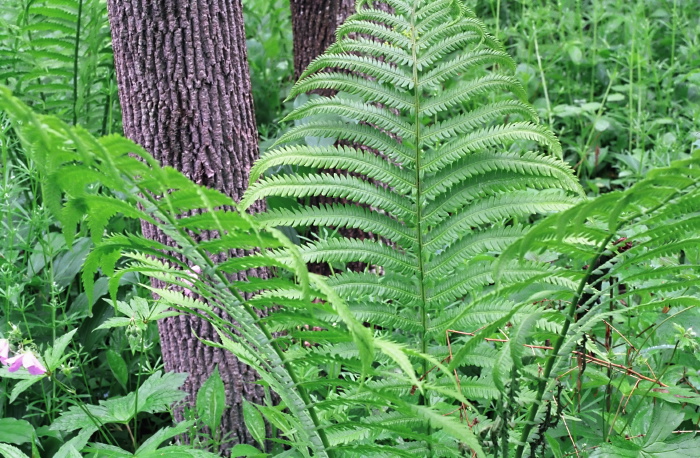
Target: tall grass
[[619, 79]]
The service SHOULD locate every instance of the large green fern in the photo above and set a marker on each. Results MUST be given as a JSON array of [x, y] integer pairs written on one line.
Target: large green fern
[[427, 108], [81, 175]]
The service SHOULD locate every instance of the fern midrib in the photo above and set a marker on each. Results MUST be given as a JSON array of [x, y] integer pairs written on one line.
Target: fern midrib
[[419, 213]]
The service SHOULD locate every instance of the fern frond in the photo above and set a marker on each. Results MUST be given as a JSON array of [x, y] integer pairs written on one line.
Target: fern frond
[[351, 26], [346, 158], [344, 187], [388, 53], [467, 61], [367, 251], [364, 112], [384, 72], [376, 92], [487, 138], [467, 122], [455, 143], [349, 216], [488, 241], [355, 284], [478, 164], [493, 210], [357, 133]]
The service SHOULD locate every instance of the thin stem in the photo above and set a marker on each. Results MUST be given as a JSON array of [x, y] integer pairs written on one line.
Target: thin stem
[[136, 393], [424, 400], [75, 63], [542, 78]]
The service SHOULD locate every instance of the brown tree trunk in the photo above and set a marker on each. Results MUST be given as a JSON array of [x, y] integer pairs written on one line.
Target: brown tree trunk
[[313, 25], [185, 93]]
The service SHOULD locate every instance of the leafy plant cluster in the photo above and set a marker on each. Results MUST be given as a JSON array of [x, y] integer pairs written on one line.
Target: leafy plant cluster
[[56, 55], [461, 332], [616, 80], [499, 312]]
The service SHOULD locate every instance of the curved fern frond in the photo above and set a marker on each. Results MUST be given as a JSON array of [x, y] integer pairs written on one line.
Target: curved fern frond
[[350, 159], [357, 133], [349, 216], [613, 240]]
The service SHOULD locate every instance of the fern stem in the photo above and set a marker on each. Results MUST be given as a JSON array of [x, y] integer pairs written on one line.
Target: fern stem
[[75, 63], [424, 400]]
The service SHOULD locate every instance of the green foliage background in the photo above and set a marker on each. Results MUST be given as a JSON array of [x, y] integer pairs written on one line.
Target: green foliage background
[[616, 81]]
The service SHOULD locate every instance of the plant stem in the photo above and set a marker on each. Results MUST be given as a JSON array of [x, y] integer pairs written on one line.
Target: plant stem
[[424, 400], [75, 63]]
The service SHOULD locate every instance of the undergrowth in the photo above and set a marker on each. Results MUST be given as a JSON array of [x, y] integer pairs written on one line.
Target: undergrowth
[[499, 312]]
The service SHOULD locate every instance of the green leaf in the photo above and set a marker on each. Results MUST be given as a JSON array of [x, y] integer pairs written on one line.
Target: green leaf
[[254, 422], [160, 436], [72, 448], [15, 431], [118, 367], [247, 451], [9, 451], [22, 386], [396, 352], [55, 355], [211, 400], [156, 394], [107, 451], [160, 391]]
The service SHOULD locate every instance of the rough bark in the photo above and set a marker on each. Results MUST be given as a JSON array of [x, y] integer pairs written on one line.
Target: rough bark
[[184, 85], [314, 23]]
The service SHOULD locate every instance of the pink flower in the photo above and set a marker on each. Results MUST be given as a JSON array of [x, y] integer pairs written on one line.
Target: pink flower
[[28, 361], [4, 350]]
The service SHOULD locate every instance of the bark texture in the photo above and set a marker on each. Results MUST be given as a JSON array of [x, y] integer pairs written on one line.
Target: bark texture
[[185, 93], [314, 23]]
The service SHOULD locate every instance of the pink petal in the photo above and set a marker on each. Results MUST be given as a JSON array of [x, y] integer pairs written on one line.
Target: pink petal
[[15, 362], [33, 365], [4, 350]]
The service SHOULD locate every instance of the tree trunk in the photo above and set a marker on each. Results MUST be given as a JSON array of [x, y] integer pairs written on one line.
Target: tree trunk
[[184, 85], [313, 25]]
